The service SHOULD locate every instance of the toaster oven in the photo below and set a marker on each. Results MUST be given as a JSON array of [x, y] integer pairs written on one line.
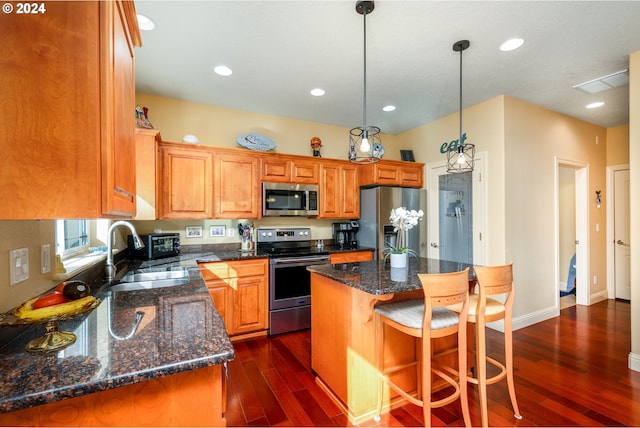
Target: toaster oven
[[156, 246]]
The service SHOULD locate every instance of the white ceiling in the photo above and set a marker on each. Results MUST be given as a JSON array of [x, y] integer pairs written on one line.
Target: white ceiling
[[280, 50]]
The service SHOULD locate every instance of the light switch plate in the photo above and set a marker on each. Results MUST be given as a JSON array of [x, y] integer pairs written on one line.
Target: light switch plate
[[45, 258], [19, 265]]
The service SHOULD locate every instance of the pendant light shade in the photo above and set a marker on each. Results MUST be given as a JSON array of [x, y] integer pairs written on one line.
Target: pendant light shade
[[461, 158], [365, 145]]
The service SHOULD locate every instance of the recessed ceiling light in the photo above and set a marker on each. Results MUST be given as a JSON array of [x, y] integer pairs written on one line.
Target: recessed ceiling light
[[317, 92], [511, 44], [388, 108], [223, 70], [145, 23], [595, 105]]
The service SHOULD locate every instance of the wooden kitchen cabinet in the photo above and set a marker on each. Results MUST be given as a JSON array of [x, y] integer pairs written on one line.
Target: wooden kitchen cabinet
[[239, 290], [236, 185], [351, 257], [392, 173], [185, 182], [68, 101], [191, 398], [146, 149], [289, 169], [339, 190]]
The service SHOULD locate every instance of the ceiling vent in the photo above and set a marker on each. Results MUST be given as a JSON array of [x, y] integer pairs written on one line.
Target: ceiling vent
[[604, 83]]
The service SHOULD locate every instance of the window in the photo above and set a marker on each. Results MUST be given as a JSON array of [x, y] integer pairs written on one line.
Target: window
[[72, 237]]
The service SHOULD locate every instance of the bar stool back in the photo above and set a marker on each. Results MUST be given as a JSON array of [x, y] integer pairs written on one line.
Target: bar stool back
[[492, 280], [429, 318]]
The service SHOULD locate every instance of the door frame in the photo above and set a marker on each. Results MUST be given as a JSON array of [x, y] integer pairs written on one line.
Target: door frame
[[611, 259], [583, 286]]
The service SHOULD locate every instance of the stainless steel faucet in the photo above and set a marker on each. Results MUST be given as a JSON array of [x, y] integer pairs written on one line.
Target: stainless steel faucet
[[110, 267]]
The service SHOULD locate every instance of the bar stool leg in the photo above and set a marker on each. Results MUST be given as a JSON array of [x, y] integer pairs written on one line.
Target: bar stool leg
[[508, 352], [481, 370]]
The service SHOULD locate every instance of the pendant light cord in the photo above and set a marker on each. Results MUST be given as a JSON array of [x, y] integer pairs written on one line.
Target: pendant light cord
[[364, 98], [460, 148]]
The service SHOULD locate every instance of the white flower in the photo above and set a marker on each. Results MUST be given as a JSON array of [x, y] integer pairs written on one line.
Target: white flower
[[403, 219]]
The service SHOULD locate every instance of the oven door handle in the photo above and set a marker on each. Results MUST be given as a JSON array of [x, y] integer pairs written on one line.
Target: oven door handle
[[298, 260]]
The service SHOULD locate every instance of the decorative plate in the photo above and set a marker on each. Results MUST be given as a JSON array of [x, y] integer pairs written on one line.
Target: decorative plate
[[256, 142]]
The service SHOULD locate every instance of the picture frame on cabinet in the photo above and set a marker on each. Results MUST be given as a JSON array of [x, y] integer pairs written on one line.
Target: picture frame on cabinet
[[217, 231], [193, 232], [407, 155]]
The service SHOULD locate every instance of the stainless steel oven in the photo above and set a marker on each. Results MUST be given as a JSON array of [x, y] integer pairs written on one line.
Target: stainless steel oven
[[290, 251]]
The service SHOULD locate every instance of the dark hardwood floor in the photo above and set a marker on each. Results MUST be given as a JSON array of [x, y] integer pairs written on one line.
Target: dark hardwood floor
[[569, 371]]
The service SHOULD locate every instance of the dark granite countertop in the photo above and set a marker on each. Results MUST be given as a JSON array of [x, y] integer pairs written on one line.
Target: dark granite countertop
[[376, 277], [180, 330]]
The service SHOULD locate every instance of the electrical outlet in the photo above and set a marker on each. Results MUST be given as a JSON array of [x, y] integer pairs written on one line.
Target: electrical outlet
[[19, 265], [231, 232], [45, 258]]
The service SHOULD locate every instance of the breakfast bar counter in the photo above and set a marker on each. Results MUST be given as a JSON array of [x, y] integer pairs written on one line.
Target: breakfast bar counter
[[343, 334]]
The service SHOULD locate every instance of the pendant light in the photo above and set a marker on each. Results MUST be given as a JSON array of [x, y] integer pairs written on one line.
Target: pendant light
[[462, 157], [365, 145]]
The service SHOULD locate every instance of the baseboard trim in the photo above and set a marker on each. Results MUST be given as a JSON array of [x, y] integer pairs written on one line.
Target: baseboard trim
[[634, 362], [526, 320]]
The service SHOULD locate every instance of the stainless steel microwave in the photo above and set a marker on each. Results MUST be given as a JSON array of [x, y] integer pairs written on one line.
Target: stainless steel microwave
[[282, 199]]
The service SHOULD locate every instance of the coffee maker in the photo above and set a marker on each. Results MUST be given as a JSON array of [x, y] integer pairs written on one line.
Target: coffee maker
[[344, 234]]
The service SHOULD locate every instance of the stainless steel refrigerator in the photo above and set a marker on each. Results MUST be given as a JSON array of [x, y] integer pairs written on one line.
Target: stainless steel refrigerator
[[376, 230]]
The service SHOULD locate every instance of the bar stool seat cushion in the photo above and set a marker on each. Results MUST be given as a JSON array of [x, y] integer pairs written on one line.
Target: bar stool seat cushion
[[410, 313]]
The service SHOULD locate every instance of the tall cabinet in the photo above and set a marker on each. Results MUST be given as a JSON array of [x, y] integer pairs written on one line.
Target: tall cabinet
[[67, 111]]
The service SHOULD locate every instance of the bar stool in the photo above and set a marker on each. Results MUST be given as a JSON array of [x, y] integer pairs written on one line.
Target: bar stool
[[428, 318], [492, 280]]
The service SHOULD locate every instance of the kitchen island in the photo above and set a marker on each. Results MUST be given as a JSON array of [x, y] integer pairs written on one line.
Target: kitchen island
[[343, 335], [166, 370]]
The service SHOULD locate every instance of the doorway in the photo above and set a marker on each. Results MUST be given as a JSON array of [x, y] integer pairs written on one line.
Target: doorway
[[572, 239]]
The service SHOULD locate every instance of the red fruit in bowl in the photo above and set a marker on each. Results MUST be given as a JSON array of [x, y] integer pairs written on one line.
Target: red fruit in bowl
[[50, 299]]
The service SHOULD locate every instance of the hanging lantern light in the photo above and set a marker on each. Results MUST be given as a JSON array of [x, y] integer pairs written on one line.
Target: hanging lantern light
[[461, 158], [365, 145]]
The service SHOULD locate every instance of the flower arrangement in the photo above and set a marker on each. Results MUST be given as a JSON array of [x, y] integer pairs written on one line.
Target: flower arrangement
[[402, 220]]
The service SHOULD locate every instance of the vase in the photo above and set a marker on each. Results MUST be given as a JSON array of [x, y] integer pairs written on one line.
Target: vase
[[399, 260], [398, 274]]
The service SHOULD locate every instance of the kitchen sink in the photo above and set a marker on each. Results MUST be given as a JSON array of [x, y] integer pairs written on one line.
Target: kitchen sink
[[156, 275], [151, 280], [148, 285]]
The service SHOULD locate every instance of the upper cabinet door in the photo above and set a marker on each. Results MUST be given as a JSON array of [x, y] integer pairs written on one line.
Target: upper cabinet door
[[237, 190], [185, 182], [339, 190], [67, 111], [118, 105]]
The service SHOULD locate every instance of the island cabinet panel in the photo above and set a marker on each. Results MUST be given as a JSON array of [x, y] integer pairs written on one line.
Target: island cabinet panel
[[236, 185], [351, 257], [239, 290], [289, 169], [339, 190], [185, 182], [67, 136], [392, 173], [193, 398], [343, 347]]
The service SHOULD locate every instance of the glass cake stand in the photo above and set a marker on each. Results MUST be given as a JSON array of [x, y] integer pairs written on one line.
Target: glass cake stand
[[53, 339]]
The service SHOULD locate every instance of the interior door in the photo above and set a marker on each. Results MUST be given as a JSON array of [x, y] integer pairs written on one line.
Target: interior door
[[456, 216], [621, 235]]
